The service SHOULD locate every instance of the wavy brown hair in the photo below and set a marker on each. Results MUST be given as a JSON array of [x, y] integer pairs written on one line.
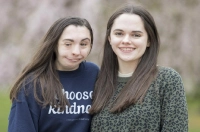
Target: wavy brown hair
[[144, 74], [41, 71]]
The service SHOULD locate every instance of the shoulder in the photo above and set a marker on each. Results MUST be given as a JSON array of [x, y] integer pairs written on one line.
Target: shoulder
[[25, 93], [167, 71], [91, 66], [168, 75], [27, 87]]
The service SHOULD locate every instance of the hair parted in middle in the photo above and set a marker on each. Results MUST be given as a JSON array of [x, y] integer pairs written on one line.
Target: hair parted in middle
[[144, 74], [42, 69]]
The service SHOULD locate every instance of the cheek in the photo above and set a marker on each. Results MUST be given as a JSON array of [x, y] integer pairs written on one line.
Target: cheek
[[85, 52], [115, 41], [143, 48], [140, 42], [62, 53]]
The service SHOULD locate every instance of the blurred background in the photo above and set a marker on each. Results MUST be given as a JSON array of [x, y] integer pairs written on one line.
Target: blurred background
[[24, 22]]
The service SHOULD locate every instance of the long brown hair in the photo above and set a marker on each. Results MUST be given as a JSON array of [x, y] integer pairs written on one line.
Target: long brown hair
[[41, 71], [144, 74]]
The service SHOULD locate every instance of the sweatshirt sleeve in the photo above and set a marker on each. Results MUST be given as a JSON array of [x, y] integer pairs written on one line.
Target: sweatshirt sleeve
[[24, 114], [174, 114]]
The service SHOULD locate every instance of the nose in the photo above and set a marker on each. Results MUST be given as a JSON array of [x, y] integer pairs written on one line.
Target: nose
[[76, 50], [126, 39]]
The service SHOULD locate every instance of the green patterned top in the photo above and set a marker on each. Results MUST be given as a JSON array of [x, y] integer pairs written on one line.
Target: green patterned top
[[164, 108]]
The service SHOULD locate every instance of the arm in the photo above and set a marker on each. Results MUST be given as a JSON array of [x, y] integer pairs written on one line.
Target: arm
[[174, 113], [23, 114]]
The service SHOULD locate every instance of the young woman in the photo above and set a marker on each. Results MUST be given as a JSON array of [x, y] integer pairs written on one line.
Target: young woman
[[53, 92], [132, 93]]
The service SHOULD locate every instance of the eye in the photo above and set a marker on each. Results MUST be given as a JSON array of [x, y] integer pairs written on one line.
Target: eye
[[136, 35], [68, 44], [83, 44], [118, 33]]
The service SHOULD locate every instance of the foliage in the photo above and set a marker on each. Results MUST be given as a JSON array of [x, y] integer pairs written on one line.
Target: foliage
[[22, 28], [177, 22]]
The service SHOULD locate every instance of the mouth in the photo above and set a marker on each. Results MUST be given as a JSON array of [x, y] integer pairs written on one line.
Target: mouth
[[74, 60], [127, 49]]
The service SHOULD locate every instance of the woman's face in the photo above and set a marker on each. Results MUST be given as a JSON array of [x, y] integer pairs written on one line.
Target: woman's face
[[73, 47], [128, 38]]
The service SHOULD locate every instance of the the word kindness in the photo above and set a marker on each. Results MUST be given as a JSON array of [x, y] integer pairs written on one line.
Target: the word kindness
[[73, 109]]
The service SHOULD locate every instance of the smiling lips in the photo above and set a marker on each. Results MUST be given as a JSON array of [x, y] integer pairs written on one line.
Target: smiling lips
[[126, 49]]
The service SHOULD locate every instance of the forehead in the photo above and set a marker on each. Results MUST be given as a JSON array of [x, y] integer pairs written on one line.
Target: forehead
[[75, 32], [128, 21]]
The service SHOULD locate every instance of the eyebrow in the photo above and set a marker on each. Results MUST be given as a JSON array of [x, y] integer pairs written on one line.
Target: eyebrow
[[85, 39], [132, 31], [137, 31], [71, 40]]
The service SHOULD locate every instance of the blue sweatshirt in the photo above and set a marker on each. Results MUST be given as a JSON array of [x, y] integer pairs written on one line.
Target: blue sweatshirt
[[27, 115]]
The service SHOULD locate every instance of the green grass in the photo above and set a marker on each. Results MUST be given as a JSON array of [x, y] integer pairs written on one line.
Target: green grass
[[4, 110], [194, 116], [193, 107]]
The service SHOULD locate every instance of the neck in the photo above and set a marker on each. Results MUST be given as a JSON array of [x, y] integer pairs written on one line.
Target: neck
[[127, 67]]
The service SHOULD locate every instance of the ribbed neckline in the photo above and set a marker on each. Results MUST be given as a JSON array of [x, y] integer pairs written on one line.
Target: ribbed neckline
[[125, 75], [75, 73], [123, 79]]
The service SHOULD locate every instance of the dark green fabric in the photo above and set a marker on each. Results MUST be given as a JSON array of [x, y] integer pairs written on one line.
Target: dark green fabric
[[164, 108]]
